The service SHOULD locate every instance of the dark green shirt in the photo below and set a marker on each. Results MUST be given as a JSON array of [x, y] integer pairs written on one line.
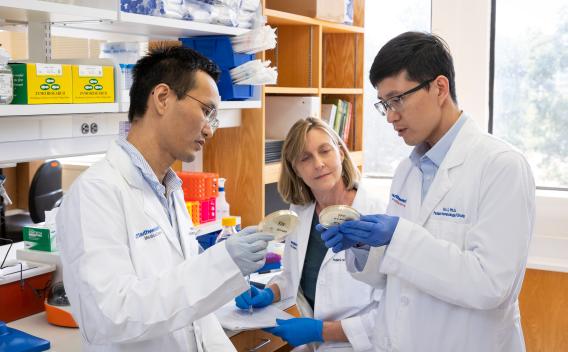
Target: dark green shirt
[[314, 257]]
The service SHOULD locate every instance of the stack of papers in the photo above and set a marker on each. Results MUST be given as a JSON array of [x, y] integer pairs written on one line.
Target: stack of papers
[[272, 150], [233, 318]]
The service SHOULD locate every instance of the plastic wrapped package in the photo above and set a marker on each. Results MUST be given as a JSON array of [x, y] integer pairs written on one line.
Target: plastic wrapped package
[[173, 9], [142, 7], [348, 12], [250, 5], [198, 11]]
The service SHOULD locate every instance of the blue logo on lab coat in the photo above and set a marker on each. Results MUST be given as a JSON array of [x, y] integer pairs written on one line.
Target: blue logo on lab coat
[[149, 233], [398, 200]]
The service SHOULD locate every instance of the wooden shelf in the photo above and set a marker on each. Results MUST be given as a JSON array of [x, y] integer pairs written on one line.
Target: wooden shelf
[[342, 91], [330, 27], [291, 90], [272, 170], [276, 18]]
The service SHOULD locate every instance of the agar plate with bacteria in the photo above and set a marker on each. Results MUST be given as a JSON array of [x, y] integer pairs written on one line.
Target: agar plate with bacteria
[[279, 224], [337, 214]]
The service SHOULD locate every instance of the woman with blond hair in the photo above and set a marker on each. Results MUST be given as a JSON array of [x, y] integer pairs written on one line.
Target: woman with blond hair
[[338, 311]]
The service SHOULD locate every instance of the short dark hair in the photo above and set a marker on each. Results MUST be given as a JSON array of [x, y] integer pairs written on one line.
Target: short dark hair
[[172, 65], [424, 56]]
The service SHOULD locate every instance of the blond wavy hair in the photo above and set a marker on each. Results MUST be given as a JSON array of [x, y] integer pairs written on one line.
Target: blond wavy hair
[[290, 185]]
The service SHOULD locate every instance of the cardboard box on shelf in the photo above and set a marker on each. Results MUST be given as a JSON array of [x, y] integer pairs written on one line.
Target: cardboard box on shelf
[[329, 10], [93, 84], [283, 111], [42, 83]]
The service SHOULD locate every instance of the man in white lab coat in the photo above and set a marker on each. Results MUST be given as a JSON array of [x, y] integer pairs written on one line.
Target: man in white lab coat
[[131, 266], [451, 252]]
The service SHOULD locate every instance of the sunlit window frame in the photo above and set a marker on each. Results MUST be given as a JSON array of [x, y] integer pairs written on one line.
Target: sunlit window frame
[[492, 82]]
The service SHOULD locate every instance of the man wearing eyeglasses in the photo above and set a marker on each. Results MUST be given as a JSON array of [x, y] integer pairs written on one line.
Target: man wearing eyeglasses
[[451, 251], [131, 264]]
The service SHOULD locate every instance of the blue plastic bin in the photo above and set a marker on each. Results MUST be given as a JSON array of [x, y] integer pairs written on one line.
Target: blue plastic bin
[[219, 49], [208, 240], [14, 340], [230, 91]]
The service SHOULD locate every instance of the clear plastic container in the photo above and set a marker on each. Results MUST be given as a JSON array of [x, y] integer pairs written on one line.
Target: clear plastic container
[[6, 78], [221, 204], [229, 224]]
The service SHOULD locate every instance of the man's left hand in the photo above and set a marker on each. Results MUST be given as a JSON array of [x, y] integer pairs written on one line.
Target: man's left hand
[[298, 331], [373, 230]]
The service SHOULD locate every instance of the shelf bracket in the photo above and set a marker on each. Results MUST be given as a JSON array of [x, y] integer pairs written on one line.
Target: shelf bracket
[[39, 41]]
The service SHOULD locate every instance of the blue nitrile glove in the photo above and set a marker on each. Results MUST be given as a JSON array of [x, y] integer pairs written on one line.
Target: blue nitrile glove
[[260, 298], [334, 239], [298, 331], [373, 230]]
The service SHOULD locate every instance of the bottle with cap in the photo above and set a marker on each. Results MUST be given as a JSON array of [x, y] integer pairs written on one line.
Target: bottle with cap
[[6, 78], [221, 202], [228, 223]]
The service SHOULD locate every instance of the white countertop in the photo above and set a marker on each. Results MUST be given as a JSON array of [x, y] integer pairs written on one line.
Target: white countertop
[[69, 339], [61, 339]]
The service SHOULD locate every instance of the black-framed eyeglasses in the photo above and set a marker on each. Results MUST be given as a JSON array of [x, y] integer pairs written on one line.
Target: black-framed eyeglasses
[[210, 114], [395, 103]]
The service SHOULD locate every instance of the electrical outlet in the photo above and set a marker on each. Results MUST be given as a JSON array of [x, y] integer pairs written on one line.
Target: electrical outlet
[[84, 128], [86, 125]]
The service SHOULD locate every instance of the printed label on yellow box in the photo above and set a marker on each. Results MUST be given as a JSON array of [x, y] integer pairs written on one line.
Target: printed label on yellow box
[[87, 70], [48, 69], [93, 84]]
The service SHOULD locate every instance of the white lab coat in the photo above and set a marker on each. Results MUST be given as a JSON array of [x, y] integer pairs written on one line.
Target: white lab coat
[[338, 295], [456, 262], [133, 283]]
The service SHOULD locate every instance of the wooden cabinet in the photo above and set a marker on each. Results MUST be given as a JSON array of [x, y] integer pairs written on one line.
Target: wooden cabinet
[[314, 58], [544, 311]]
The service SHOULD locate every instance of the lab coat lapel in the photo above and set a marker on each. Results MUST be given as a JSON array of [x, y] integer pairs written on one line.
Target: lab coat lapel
[[328, 255], [303, 235], [443, 181], [441, 185], [154, 209], [120, 160], [186, 229]]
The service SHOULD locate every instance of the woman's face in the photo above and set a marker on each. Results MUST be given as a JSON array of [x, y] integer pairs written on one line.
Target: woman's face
[[319, 164]]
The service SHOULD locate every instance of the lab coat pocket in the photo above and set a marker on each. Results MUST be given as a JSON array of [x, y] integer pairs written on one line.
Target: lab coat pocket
[[449, 230]]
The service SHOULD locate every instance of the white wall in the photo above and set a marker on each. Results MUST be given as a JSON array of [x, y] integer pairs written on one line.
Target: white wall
[[465, 26]]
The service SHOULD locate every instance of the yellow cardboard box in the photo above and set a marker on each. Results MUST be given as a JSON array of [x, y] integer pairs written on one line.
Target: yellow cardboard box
[[42, 83], [93, 84]]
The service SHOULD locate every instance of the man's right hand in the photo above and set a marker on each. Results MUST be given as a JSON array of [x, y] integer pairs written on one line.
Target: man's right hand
[[255, 297], [248, 249]]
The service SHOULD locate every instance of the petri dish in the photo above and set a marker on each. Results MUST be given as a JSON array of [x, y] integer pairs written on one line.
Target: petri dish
[[337, 214], [279, 224]]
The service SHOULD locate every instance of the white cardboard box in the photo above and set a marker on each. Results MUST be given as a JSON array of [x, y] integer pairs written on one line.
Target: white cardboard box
[[283, 111]]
